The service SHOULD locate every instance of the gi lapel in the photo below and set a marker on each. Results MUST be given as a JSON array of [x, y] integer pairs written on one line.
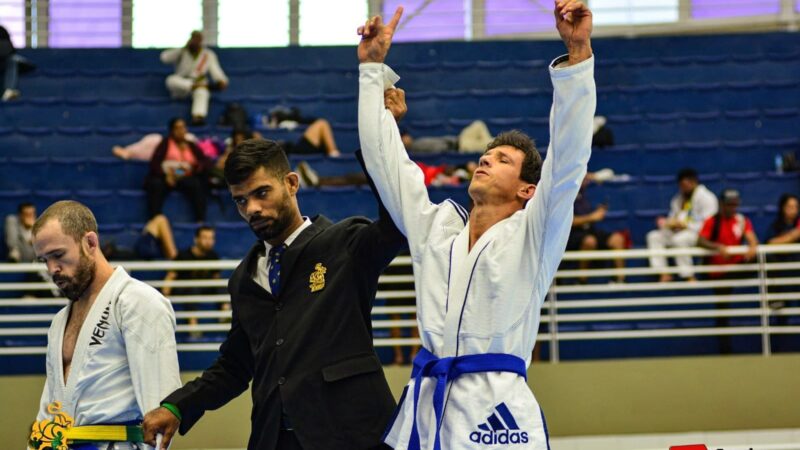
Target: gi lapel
[[55, 349], [101, 309], [463, 274]]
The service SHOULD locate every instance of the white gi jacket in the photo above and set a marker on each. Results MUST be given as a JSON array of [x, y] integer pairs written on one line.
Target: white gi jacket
[[188, 66], [486, 300], [125, 359]]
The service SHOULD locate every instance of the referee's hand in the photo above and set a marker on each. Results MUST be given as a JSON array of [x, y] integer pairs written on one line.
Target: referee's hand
[[160, 420]]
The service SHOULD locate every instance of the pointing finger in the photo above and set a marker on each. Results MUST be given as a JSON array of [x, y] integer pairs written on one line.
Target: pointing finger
[[396, 18]]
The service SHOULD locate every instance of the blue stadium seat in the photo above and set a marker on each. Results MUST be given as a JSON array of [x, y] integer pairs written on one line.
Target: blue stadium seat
[[234, 239]]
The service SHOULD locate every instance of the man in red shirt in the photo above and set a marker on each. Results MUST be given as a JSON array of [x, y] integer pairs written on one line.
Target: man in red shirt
[[728, 228], [720, 231]]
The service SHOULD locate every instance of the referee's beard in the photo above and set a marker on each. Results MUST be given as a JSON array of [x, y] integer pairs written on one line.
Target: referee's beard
[[270, 227]]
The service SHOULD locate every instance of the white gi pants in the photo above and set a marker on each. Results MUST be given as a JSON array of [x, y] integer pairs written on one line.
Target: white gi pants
[[663, 238], [180, 87]]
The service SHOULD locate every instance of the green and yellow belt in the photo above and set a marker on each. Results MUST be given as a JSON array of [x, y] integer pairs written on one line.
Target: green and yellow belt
[[59, 434]]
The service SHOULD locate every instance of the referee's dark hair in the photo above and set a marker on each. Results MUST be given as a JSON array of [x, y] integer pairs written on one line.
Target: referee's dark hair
[[253, 154]]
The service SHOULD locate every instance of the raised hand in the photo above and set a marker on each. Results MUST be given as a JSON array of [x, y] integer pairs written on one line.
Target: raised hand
[[574, 23], [376, 38]]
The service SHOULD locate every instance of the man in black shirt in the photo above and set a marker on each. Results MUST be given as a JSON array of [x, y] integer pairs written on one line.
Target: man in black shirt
[[201, 250]]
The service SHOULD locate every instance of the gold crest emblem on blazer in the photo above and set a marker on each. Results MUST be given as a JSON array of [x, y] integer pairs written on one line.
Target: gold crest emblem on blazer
[[317, 279]]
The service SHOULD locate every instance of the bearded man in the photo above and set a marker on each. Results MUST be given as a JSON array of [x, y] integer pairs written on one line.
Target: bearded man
[[301, 329], [111, 353]]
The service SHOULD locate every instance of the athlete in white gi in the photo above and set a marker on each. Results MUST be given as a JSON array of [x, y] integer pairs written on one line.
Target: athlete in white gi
[[481, 277], [111, 353], [193, 64]]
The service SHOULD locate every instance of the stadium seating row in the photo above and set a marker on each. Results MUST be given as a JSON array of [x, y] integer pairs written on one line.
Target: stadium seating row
[[428, 75], [692, 101]]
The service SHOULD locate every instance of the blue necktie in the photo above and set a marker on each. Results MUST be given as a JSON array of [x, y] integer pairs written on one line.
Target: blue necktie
[[275, 254]]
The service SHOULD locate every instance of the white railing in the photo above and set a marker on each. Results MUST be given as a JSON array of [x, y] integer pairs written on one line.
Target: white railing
[[758, 285]]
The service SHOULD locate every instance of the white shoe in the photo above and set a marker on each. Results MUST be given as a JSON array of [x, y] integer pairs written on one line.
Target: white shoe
[[10, 94]]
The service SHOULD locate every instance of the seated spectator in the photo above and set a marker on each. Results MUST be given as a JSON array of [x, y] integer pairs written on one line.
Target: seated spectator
[[693, 204], [317, 138], [177, 164], [720, 231], [154, 242], [785, 229], [143, 149], [472, 139], [193, 65], [201, 250], [585, 235], [18, 234], [10, 65], [238, 135]]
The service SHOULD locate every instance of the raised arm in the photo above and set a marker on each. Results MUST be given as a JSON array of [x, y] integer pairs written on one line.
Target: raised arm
[[398, 180], [550, 212]]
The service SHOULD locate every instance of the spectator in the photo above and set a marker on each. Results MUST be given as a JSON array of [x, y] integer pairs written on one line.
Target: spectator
[[728, 228], [238, 135], [586, 236], [18, 233], [10, 65], [786, 227], [472, 139], [693, 204], [201, 250], [317, 138], [784, 230], [193, 65], [177, 164], [143, 149], [720, 231], [155, 241]]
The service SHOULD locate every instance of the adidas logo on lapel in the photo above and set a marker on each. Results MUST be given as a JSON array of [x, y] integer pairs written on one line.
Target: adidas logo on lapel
[[316, 282], [499, 428]]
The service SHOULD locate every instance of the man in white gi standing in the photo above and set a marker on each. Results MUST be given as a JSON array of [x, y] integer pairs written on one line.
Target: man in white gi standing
[[481, 277], [193, 64], [111, 352]]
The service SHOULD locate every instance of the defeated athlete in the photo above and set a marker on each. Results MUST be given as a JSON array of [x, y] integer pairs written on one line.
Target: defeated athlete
[[111, 353]]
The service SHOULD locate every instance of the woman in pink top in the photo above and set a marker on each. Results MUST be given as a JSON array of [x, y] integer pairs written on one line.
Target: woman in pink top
[[177, 164]]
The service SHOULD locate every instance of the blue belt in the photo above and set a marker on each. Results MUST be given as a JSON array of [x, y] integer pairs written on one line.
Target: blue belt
[[426, 364]]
